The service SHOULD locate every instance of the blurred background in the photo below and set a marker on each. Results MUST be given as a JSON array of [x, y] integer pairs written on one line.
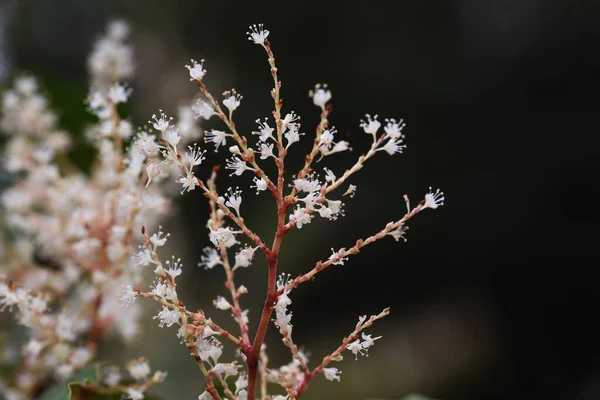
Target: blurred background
[[495, 295]]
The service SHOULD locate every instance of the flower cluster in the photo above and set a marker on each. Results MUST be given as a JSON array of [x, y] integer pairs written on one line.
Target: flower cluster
[[80, 248]]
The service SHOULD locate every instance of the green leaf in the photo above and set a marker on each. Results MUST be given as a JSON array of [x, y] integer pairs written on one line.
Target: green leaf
[[63, 390]]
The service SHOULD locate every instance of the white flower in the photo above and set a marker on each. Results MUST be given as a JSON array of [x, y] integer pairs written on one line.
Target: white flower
[[338, 256], [234, 200], [241, 383], [152, 170], [135, 394], [332, 374], [235, 150], [394, 128], [238, 166], [371, 126], [338, 147], [128, 295], [223, 236], [167, 317], [368, 341], [399, 233], [266, 151], [195, 156], [138, 369], [172, 136], [232, 100], [356, 348], [292, 135], [307, 185], [227, 369], [174, 269], [112, 377], [265, 132], [320, 95], [203, 109], [288, 121], [433, 200], [260, 184], [117, 93], [329, 175], [219, 138], [258, 34], [393, 146], [188, 182], [351, 191], [158, 240], [327, 137], [244, 257], [210, 259], [197, 72], [221, 303], [142, 258], [162, 122], [300, 217]]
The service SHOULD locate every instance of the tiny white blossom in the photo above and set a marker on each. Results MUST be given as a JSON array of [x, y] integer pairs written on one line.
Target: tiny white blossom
[[235, 150], [167, 317], [223, 236], [338, 256], [188, 182], [174, 267], [399, 233], [244, 257], [158, 240], [232, 100], [161, 122], [152, 170], [202, 109], [257, 34], [234, 199], [135, 394], [356, 348], [117, 93], [142, 258], [238, 166], [197, 71], [195, 156], [368, 341], [138, 369], [320, 95], [219, 138], [332, 374], [172, 136], [260, 184], [433, 200], [210, 259], [128, 295], [266, 151], [300, 217], [351, 191], [370, 126], [265, 132], [289, 121], [394, 128], [329, 175], [221, 303], [393, 146]]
